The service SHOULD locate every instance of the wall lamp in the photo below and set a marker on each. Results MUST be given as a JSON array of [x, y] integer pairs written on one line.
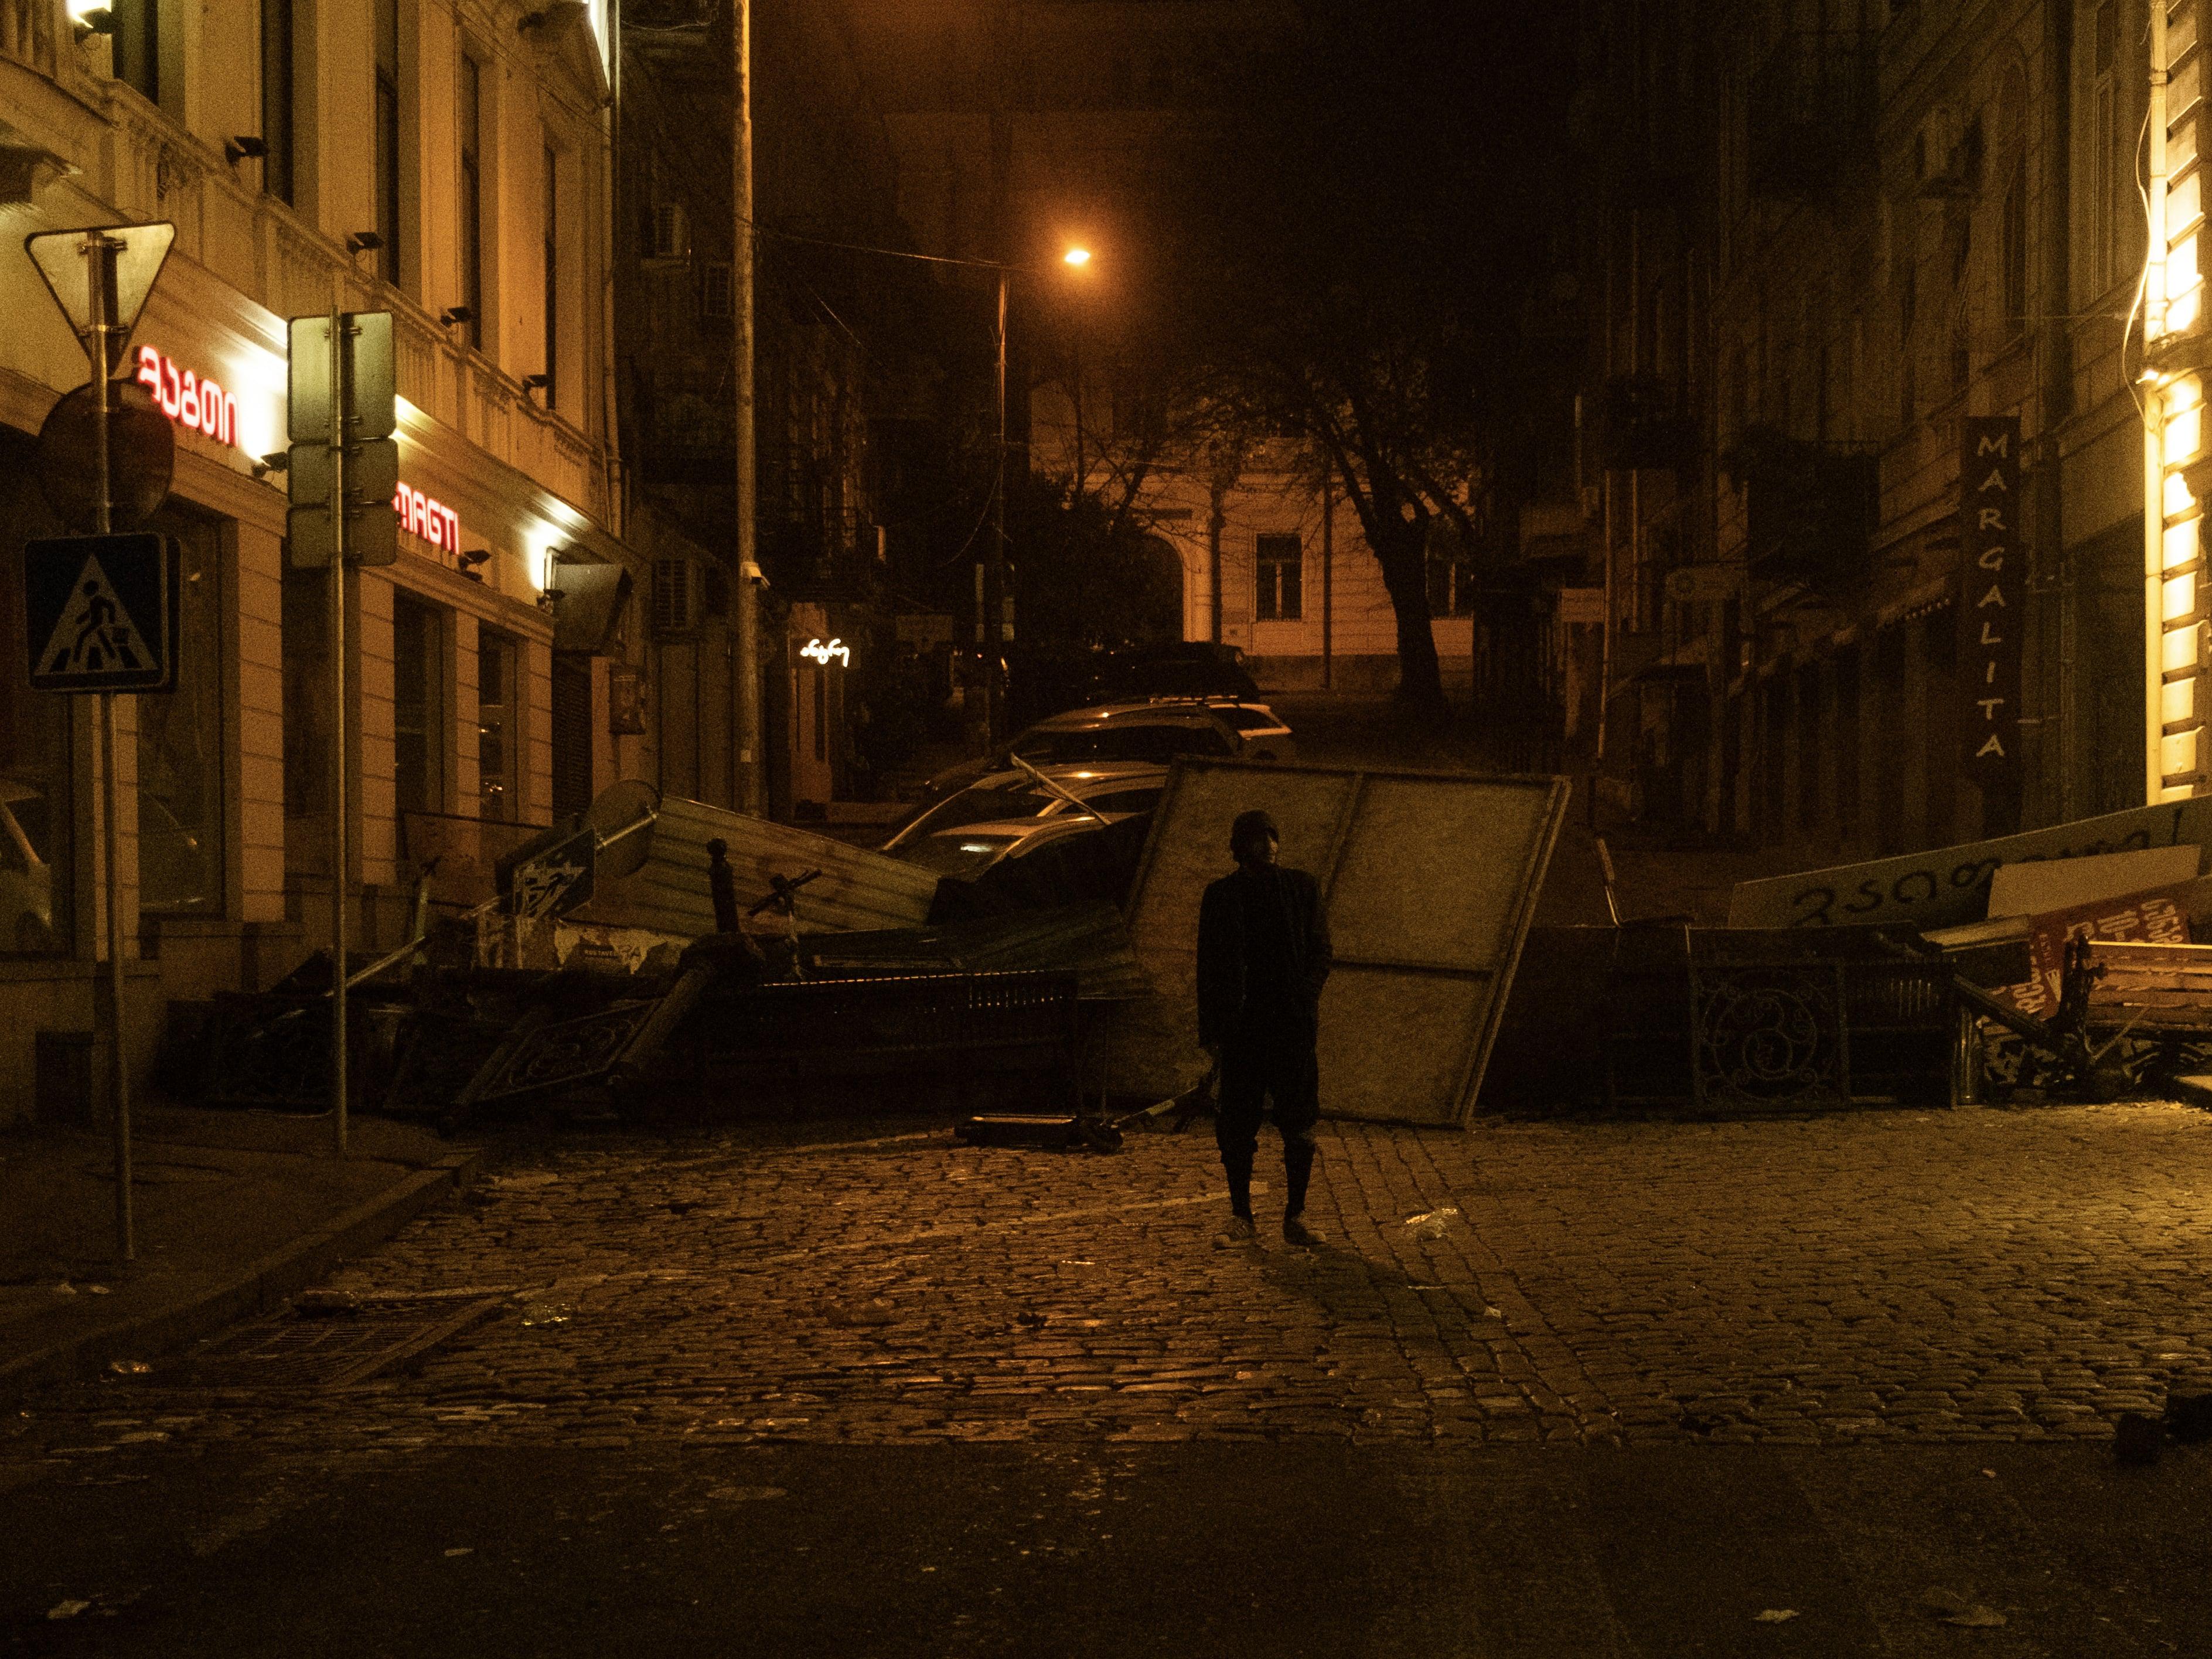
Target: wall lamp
[[93, 20], [277, 461], [363, 241], [536, 383], [453, 316], [245, 147], [470, 560]]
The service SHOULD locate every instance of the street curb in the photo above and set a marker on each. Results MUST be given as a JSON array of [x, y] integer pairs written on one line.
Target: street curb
[[259, 1288]]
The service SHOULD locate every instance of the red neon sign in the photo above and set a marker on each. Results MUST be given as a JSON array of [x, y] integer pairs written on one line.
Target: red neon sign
[[203, 405], [428, 517]]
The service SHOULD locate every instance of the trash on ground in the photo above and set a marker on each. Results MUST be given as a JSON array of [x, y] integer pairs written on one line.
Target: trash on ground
[[64, 1289], [459, 1549], [66, 1609], [745, 1494], [547, 1313], [130, 1368], [326, 1304], [1432, 1224], [1953, 1608], [1775, 1616]]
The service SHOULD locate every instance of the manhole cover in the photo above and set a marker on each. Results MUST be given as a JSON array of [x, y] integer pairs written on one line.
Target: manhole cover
[[330, 1349]]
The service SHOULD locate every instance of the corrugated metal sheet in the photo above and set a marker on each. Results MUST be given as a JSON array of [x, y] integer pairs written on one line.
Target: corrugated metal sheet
[[1429, 878], [857, 889], [1089, 941]]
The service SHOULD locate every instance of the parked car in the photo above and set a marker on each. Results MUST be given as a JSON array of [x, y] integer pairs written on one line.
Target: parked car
[[1010, 814], [1263, 736], [1117, 732]]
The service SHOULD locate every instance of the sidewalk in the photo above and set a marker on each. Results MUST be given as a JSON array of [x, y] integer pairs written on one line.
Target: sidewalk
[[234, 1211]]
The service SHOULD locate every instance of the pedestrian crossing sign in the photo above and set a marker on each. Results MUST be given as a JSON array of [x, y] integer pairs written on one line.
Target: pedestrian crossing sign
[[101, 613]]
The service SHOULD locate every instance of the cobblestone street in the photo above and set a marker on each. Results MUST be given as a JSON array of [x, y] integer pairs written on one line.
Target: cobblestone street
[[1877, 1277]]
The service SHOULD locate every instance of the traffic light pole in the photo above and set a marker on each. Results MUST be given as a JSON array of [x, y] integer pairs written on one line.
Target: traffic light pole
[[103, 249], [340, 400]]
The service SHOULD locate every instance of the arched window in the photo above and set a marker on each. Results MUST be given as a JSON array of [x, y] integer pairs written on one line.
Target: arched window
[[2014, 234]]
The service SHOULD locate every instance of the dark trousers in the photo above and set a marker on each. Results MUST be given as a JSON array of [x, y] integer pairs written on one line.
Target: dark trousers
[[1278, 1068]]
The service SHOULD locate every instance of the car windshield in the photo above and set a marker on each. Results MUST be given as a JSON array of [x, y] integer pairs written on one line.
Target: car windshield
[[1130, 742], [983, 803], [1246, 719], [956, 855]]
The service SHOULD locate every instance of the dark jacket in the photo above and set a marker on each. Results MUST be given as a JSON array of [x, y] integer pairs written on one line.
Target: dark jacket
[[1263, 953]]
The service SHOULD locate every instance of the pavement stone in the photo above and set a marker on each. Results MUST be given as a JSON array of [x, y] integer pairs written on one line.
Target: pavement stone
[[1877, 1277]]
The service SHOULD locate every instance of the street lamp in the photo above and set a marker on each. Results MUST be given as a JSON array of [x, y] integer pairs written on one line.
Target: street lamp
[[991, 630]]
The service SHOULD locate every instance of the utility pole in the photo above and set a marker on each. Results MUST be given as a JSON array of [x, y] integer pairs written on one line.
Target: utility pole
[[102, 251], [994, 556], [340, 372], [751, 795]]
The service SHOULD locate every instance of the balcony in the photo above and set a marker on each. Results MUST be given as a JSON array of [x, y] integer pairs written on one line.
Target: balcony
[[1812, 108]]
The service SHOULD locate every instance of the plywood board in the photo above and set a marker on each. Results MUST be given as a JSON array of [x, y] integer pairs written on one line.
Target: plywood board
[[1947, 885], [2046, 884], [1428, 880]]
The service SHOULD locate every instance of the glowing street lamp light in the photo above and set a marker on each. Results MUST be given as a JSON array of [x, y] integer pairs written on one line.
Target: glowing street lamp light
[[1078, 257]]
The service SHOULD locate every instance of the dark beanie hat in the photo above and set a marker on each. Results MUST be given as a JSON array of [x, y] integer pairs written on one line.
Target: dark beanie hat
[[1249, 824]]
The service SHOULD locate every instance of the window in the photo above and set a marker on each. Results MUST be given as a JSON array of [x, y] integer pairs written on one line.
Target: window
[[180, 824], [1451, 578], [137, 34], [1282, 580], [388, 139], [418, 706], [498, 705], [574, 766], [310, 732], [552, 272], [714, 291], [2014, 235], [37, 873], [472, 203], [2111, 163], [276, 98]]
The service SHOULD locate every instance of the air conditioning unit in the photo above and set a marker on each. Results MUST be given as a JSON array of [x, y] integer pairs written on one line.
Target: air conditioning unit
[[677, 595], [671, 232]]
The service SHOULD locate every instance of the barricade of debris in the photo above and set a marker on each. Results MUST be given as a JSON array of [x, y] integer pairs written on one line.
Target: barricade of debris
[[2060, 964], [654, 942]]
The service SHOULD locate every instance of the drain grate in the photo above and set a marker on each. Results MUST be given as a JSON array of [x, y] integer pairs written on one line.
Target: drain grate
[[330, 1350]]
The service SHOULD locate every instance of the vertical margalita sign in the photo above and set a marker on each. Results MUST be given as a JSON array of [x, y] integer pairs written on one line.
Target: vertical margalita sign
[[1992, 600]]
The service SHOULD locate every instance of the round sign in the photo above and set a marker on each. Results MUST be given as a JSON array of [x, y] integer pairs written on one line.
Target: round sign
[[141, 455]]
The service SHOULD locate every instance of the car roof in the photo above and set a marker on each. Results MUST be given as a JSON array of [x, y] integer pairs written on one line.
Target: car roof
[[1121, 714], [1076, 776]]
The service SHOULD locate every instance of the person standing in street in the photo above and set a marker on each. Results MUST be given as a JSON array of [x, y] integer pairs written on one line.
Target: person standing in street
[[1263, 955]]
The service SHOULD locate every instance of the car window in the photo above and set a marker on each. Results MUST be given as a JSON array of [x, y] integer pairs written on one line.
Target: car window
[[1247, 720], [956, 854], [982, 804], [1125, 800], [1157, 744]]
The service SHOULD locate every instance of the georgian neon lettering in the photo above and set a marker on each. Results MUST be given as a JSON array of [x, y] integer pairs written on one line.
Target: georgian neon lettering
[[818, 651], [186, 399]]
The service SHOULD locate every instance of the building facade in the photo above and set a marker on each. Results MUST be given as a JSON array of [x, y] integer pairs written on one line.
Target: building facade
[[1828, 243], [448, 161]]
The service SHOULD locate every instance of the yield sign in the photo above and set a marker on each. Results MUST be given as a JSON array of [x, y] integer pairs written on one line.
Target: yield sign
[[68, 260]]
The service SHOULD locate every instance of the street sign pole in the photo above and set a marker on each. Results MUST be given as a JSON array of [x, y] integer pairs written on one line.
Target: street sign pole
[[102, 251], [340, 400]]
